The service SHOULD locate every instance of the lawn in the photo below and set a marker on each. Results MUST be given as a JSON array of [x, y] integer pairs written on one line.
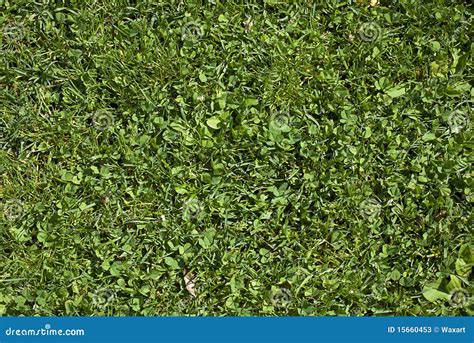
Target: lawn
[[236, 157]]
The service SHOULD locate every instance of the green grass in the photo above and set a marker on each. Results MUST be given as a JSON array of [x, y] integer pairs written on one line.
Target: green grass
[[299, 158]]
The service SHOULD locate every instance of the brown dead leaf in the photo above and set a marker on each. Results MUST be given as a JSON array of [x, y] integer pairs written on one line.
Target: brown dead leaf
[[190, 282]]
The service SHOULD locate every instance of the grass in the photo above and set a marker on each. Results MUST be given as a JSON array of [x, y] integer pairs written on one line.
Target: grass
[[296, 159]]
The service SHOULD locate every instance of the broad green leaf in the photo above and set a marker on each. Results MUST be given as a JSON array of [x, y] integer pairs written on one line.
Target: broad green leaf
[[145, 290], [382, 83], [171, 262], [429, 136], [433, 295], [454, 283], [396, 92], [222, 103], [395, 275], [368, 132], [435, 46], [155, 275], [462, 268], [67, 176], [105, 265], [115, 269], [42, 236], [202, 77], [251, 102], [181, 190], [104, 171], [466, 252], [213, 122]]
